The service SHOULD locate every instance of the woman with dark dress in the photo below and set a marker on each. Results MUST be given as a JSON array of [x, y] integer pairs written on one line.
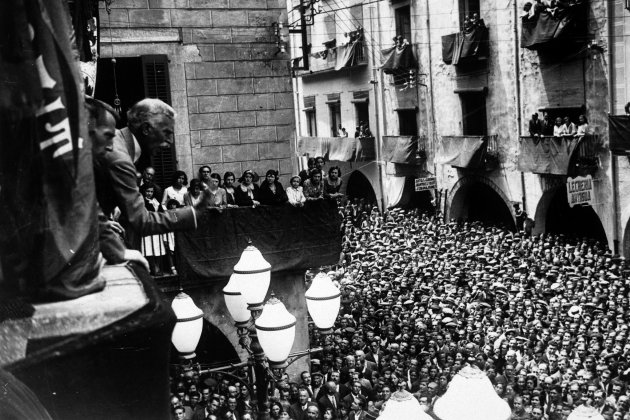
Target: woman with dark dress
[[332, 184], [314, 187], [228, 185], [271, 191], [246, 194]]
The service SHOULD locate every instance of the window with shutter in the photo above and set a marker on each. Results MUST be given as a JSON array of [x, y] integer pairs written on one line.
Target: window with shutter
[[156, 85]]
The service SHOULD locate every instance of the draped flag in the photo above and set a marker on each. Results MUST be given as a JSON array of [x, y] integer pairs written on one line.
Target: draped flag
[[48, 228]]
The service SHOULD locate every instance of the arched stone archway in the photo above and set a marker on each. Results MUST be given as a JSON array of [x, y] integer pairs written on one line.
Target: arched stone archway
[[478, 198], [359, 186], [626, 240], [553, 215]]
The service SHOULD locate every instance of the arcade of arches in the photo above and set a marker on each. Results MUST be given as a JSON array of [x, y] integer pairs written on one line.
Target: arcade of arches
[[359, 187]]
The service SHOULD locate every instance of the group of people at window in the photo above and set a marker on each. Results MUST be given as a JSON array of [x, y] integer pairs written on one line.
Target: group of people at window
[[552, 7], [559, 128]]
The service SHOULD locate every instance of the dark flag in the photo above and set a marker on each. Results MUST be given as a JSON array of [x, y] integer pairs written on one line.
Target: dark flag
[[48, 228]]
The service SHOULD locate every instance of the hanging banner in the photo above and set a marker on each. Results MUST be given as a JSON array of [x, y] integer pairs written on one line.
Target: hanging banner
[[580, 191], [426, 184]]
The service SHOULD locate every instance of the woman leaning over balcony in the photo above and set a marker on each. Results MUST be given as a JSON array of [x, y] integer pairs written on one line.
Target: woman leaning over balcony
[[582, 128], [332, 184], [314, 187], [271, 191], [246, 194]]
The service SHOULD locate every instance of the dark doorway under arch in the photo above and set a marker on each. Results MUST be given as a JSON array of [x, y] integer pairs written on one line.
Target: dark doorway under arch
[[412, 199], [576, 221], [477, 201], [359, 187], [213, 349]]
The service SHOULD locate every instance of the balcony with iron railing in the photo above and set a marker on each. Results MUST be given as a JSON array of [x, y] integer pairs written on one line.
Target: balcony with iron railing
[[568, 155], [468, 46], [405, 149], [337, 57], [343, 149]]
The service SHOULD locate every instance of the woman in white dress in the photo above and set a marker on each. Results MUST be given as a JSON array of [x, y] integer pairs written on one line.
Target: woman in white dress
[[177, 190]]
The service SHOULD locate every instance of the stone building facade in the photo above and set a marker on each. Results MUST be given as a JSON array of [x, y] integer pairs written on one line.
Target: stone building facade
[[229, 82]]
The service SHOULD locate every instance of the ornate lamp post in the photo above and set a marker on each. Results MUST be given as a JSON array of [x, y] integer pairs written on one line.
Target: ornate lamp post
[[266, 330]]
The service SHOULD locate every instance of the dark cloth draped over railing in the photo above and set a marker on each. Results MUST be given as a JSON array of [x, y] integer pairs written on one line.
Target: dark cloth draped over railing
[[543, 29], [400, 149], [461, 151], [546, 155], [619, 131], [289, 238], [398, 59], [465, 46]]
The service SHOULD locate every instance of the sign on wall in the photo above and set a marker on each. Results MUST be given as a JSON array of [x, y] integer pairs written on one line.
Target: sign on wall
[[425, 184], [580, 191]]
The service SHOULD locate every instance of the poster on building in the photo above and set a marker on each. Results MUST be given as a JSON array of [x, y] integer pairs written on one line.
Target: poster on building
[[425, 184], [580, 191]]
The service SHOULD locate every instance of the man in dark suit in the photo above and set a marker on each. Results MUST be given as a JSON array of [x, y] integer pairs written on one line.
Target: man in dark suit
[[150, 126], [330, 399], [355, 398], [375, 355], [297, 411]]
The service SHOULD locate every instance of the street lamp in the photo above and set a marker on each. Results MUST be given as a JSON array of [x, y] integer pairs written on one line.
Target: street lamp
[[235, 301], [470, 395], [276, 332], [323, 300], [252, 274], [187, 330]]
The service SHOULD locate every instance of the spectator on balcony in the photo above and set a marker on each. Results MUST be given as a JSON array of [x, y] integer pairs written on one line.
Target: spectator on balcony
[[304, 172], [246, 194], [570, 127], [271, 191], [295, 193], [217, 194], [546, 125], [204, 174], [152, 246], [559, 130], [193, 195], [332, 184], [535, 126], [228, 186], [177, 190], [148, 175], [314, 187], [582, 128], [319, 165]]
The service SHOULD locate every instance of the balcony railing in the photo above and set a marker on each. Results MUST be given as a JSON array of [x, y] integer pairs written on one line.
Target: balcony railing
[[465, 47], [471, 152], [559, 155], [347, 56], [546, 27], [344, 149], [404, 149]]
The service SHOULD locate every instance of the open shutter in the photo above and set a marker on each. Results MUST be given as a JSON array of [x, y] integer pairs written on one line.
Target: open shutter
[[156, 85]]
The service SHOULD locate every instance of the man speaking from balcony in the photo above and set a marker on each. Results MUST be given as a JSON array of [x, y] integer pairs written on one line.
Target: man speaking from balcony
[[150, 126]]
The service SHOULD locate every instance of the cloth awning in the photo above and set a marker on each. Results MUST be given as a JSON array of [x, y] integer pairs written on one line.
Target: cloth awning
[[461, 151], [342, 148], [366, 149], [546, 155], [394, 187], [398, 59], [544, 28], [400, 149], [289, 238], [313, 146], [619, 132], [465, 46]]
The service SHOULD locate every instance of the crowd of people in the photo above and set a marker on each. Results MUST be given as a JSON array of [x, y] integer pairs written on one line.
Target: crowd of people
[[545, 317]]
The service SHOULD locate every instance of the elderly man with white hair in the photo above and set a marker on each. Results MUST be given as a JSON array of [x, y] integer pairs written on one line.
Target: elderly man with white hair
[[150, 126]]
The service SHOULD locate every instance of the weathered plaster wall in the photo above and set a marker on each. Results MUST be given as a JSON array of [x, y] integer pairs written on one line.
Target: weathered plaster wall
[[231, 91]]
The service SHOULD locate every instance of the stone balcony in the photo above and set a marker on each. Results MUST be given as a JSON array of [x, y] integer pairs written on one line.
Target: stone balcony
[[569, 156]]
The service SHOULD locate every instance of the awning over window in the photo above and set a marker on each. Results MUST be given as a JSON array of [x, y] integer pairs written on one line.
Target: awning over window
[[398, 59], [619, 132], [465, 46], [342, 148], [461, 151], [400, 149], [546, 155], [543, 27]]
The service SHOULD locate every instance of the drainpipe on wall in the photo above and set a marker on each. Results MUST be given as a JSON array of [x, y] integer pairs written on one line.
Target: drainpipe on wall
[[519, 109], [610, 10], [298, 129], [431, 121], [377, 86]]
